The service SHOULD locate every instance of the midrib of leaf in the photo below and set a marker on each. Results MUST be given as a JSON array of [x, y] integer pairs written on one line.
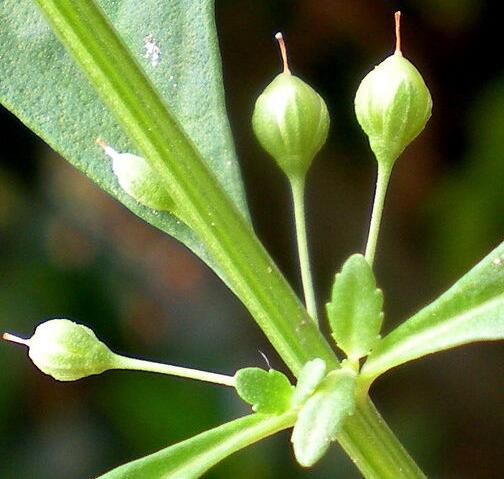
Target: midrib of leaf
[[267, 426], [196, 455], [429, 340], [478, 291]]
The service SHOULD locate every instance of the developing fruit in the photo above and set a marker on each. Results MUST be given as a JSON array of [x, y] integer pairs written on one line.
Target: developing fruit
[[393, 104], [290, 120]]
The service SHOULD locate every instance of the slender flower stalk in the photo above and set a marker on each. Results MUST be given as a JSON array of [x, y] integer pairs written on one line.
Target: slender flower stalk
[[392, 105], [382, 182], [298, 199], [134, 364], [291, 122]]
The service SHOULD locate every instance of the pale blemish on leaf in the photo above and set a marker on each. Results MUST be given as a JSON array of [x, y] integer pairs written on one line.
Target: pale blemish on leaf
[[152, 50]]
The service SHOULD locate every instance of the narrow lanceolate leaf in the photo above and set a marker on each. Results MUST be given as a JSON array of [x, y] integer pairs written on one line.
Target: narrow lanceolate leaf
[[192, 458], [322, 417], [268, 392], [175, 43], [355, 311], [471, 310]]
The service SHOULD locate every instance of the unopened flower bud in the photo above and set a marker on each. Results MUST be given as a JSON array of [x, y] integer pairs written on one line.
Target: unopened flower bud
[[67, 351], [138, 179], [290, 121], [393, 105]]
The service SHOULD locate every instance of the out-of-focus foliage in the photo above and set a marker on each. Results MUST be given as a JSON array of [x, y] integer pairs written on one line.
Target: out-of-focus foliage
[[469, 205]]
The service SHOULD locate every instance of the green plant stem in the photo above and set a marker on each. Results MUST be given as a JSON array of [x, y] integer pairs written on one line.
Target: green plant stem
[[382, 181], [373, 447], [298, 198], [124, 362], [229, 238]]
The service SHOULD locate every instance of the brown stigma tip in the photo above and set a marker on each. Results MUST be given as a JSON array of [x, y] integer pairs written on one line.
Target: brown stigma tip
[[101, 142], [14, 339], [397, 16], [283, 51]]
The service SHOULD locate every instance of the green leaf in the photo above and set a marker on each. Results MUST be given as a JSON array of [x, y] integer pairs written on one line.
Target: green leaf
[[355, 311], [42, 85], [322, 417], [192, 458], [268, 392], [471, 310], [309, 379]]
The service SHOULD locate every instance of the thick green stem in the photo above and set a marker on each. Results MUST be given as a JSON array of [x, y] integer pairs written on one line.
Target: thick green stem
[[298, 198], [121, 84], [373, 447], [382, 181], [123, 362]]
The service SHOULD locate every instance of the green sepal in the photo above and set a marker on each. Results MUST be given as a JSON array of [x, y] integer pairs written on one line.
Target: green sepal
[[291, 122], [322, 417], [268, 392], [137, 178], [355, 311], [68, 351], [392, 105]]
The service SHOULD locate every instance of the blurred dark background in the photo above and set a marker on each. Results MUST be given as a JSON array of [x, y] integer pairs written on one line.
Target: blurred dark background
[[68, 250]]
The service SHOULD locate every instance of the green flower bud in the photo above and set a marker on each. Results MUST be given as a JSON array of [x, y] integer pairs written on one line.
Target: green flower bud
[[290, 121], [138, 179], [67, 351], [393, 104]]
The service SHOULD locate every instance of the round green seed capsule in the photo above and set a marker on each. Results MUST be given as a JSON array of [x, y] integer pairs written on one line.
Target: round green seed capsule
[[393, 104], [67, 351], [138, 179], [290, 120]]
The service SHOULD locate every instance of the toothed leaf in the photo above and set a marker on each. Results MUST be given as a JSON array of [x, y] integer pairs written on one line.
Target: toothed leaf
[[268, 392], [355, 311]]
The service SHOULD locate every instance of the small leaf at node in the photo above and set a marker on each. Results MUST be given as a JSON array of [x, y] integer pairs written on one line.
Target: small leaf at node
[[311, 376], [355, 311], [268, 392], [322, 417]]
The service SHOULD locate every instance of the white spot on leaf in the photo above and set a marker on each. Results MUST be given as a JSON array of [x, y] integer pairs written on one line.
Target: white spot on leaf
[[152, 50]]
